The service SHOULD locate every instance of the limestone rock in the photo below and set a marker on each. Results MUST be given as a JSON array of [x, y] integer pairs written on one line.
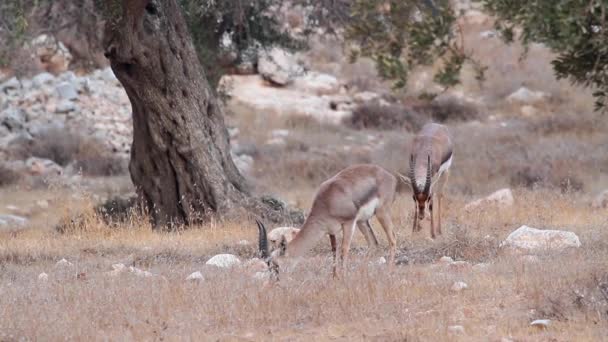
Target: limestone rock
[[224, 261], [530, 240]]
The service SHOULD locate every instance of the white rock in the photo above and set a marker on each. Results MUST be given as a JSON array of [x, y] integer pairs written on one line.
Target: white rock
[[42, 204], [488, 34], [276, 235], [243, 243], [11, 84], [63, 263], [244, 163], [541, 323], [140, 273], [280, 133], [65, 106], [42, 79], [530, 240], [366, 96], [456, 329], [601, 200], [195, 276], [317, 83], [224, 261], [378, 261], [459, 286], [276, 142], [67, 91], [446, 260], [279, 66], [502, 198], [13, 220], [527, 96], [43, 276]]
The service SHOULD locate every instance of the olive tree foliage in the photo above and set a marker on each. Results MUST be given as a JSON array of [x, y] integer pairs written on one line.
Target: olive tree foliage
[[574, 29], [402, 35]]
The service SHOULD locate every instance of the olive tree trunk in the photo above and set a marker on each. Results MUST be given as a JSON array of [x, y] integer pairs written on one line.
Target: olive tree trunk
[[180, 157]]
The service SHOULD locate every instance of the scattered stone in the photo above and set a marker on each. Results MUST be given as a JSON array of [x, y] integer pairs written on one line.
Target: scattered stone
[[459, 286], [13, 220], [63, 263], [502, 198], [279, 66], [42, 204], [43, 276], [456, 329], [276, 142], [195, 276], [530, 240], [317, 83], [366, 96], [140, 273], [13, 118], [488, 34], [601, 200], [65, 106], [243, 243], [224, 261], [67, 91], [526, 96], [42, 79], [378, 261], [541, 323], [244, 163], [280, 133], [446, 260], [11, 84]]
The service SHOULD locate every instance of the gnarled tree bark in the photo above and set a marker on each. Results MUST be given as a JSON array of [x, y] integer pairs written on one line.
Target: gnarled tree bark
[[180, 157]]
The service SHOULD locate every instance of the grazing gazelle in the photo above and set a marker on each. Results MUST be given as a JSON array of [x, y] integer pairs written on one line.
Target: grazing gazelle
[[430, 162], [348, 199]]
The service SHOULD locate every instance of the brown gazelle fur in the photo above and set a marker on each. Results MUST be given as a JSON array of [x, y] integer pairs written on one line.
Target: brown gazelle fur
[[348, 199], [430, 162]]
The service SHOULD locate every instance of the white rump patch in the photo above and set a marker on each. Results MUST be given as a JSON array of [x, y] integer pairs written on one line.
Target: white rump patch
[[368, 209], [446, 165]]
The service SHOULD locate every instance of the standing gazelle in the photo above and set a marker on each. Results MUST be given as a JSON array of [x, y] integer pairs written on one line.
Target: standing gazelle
[[430, 162], [351, 197]]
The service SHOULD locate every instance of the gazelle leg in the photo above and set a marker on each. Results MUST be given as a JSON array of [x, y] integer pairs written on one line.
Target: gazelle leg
[[368, 233], [440, 184], [348, 229], [332, 241], [432, 220], [415, 227], [384, 218]]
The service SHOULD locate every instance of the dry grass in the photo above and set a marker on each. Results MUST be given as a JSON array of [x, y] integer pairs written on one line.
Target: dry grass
[[412, 302]]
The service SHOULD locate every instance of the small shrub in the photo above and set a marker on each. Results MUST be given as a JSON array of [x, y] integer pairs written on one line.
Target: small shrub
[[58, 145], [386, 117], [448, 110], [93, 159], [8, 176]]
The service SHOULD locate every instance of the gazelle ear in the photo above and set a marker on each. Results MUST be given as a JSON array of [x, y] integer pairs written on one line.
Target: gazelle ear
[[405, 180], [283, 245]]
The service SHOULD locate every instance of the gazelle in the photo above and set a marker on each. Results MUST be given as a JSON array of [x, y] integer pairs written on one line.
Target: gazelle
[[430, 163], [343, 202]]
